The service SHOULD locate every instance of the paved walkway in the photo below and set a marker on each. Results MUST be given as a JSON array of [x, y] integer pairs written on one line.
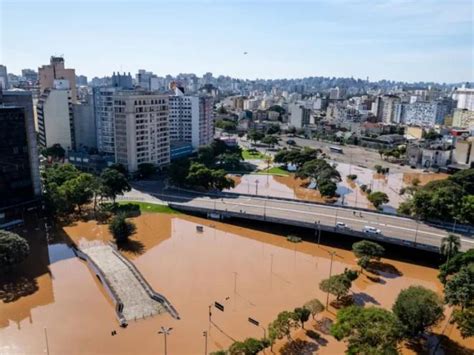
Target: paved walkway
[[125, 281]]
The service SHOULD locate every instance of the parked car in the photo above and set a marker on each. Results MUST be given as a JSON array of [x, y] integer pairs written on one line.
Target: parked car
[[341, 225], [371, 230], [290, 142]]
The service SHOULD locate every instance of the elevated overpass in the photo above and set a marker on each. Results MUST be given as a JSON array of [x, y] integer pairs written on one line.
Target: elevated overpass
[[394, 229]]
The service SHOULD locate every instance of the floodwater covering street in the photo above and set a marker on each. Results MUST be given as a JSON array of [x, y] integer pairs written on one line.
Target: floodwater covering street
[[56, 304]]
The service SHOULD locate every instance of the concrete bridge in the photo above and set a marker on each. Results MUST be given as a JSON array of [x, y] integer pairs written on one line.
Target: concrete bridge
[[133, 297], [393, 229]]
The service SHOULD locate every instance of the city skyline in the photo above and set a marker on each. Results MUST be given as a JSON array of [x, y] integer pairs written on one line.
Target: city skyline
[[282, 40]]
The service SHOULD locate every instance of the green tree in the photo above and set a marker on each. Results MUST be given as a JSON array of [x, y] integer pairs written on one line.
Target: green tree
[[467, 209], [249, 346], [113, 183], [450, 245], [327, 188], [120, 168], [418, 309], [206, 155], [454, 264], [465, 179], [178, 171], [459, 290], [255, 136], [314, 306], [79, 191], [366, 251], [464, 320], [367, 330], [282, 326], [302, 314], [377, 198], [230, 161], [337, 285], [13, 249], [273, 129], [270, 140], [55, 151], [121, 229]]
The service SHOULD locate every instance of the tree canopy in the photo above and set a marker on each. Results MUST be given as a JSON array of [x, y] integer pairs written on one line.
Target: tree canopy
[[13, 249], [337, 285], [314, 306], [368, 330], [418, 309], [459, 290], [378, 198], [114, 183], [121, 229]]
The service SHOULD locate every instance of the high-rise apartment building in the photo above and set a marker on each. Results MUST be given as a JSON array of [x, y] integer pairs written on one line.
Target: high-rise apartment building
[[104, 111], [465, 98], [84, 123], [19, 164], [384, 108], [191, 119], [3, 77], [55, 116], [55, 70], [141, 129], [299, 115]]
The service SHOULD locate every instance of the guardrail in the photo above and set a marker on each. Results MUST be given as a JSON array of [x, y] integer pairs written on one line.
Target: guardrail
[[310, 225], [110, 290], [458, 228]]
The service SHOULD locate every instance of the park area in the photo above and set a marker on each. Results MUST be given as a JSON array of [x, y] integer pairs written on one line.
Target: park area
[[55, 303]]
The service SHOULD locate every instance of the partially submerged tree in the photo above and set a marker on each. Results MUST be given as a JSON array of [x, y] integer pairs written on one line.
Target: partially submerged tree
[[366, 251], [367, 330], [378, 198], [302, 314], [450, 246], [121, 229], [13, 249], [418, 309], [314, 306]]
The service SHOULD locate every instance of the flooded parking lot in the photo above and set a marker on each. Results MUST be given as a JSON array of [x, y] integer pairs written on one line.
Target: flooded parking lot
[[55, 301]]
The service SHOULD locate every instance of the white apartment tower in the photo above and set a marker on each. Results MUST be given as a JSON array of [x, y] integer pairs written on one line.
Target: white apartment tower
[[55, 116], [141, 129], [191, 119]]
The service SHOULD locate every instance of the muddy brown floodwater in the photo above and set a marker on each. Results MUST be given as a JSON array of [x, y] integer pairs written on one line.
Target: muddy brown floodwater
[[252, 273]]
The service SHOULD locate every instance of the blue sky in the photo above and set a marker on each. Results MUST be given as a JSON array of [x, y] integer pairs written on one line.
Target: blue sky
[[407, 40]]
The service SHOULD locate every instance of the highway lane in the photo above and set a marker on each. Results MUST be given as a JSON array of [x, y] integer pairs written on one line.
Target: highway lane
[[391, 226]]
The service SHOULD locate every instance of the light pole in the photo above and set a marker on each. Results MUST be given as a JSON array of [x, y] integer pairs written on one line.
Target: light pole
[[46, 339], [416, 232], [454, 225], [165, 332], [204, 334], [335, 222], [330, 272], [319, 232]]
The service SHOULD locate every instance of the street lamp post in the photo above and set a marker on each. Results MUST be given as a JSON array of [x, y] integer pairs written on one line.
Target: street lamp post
[[330, 272], [204, 334], [165, 332], [319, 232], [256, 187], [416, 232]]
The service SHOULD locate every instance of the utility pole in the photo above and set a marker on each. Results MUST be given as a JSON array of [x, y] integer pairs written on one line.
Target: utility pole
[[330, 272], [165, 332], [204, 334], [416, 232], [46, 339], [256, 186], [319, 232], [235, 282]]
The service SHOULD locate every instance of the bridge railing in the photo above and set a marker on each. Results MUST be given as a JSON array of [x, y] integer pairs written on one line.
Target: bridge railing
[[107, 284], [299, 223], [151, 292]]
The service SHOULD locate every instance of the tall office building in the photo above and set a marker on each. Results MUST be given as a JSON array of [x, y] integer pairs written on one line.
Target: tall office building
[[141, 129], [81, 80], [191, 119], [56, 71], [19, 165], [55, 116], [299, 115], [3, 77]]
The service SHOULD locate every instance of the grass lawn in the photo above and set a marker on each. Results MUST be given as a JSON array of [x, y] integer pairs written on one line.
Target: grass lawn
[[252, 155], [276, 170], [151, 207]]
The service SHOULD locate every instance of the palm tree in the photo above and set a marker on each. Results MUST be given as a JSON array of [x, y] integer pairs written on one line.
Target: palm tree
[[450, 245]]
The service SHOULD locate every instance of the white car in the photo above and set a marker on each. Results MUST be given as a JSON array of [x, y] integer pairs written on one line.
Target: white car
[[371, 230], [342, 225]]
